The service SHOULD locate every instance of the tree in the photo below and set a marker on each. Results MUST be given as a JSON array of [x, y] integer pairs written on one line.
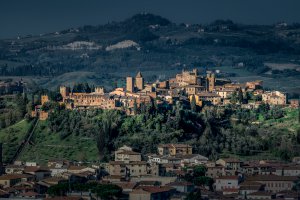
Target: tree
[[135, 107], [240, 96], [194, 195], [193, 104], [108, 191]]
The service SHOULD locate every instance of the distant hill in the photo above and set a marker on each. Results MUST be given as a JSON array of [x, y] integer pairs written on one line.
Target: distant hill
[[160, 48]]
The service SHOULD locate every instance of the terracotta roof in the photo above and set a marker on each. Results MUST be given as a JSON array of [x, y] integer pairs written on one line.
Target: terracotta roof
[[272, 178], [128, 153], [116, 162], [181, 183], [31, 169], [229, 177], [127, 185], [234, 190], [153, 189], [137, 163], [29, 194], [14, 176]]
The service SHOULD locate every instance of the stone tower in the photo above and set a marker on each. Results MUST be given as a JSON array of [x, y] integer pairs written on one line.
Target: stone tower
[[64, 91], [99, 90], [139, 81], [44, 99], [210, 81], [129, 84]]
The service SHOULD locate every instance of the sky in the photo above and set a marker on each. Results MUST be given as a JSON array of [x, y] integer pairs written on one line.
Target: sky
[[22, 17]]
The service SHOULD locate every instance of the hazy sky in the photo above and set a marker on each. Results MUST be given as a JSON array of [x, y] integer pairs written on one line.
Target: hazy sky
[[20, 17]]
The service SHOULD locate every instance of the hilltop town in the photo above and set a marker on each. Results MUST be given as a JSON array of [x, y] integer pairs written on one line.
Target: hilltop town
[[188, 87], [171, 170]]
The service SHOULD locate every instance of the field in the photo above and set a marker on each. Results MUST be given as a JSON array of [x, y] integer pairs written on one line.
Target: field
[[12, 137]]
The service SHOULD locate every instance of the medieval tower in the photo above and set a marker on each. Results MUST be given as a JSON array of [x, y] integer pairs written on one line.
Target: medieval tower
[[129, 84], [139, 81]]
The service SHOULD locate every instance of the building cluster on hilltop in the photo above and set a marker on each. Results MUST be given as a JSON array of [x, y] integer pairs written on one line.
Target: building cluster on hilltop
[[205, 90]]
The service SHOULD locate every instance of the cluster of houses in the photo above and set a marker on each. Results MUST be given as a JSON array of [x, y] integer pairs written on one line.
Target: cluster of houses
[[157, 176], [207, 89]]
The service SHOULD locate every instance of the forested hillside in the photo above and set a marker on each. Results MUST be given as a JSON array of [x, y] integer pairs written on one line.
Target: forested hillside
[[94, 134]]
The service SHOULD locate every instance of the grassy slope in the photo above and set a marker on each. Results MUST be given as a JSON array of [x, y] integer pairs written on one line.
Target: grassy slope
[[48, 145], [11, 137]]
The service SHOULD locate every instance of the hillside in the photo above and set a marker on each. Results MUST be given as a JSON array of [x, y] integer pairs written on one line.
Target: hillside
[[47, 145], [75, 138], [12, 137], [157, 47]]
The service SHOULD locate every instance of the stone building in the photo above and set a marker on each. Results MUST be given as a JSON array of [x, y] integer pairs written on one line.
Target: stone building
[[126, 154], [274, 98], [139, 81], [136, 84], [189, 77], [210, 81], [129, 84], [174, 149], [64, 91]]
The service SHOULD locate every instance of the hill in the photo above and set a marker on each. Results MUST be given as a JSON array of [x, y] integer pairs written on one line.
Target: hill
[[157, 46]]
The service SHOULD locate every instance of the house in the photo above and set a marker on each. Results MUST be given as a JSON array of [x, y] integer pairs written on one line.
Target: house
[[29, 195], [174, 149], [127, 187], [253, 85], [294, 103], [193, 89], [192, 159], [248, 187], [151, 193], [184, 187], [291, 170], [215, 171], [127, 155], [9, 180], [261, 195], [57, 169], [79, 169], [14, 169], [274, 98], [227, 182], [120, 168], [275, 183], [230, 163], [39, 172], [207, 98]]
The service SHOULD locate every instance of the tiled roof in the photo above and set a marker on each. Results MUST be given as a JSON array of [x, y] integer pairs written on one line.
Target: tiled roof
[[229, 177], [180, 183], [272, 178], [14, 176], [153, 189]]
